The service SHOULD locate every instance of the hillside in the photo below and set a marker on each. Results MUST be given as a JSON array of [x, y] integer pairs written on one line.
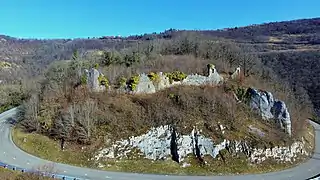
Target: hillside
[[288, 42], [208, 98], [167, 119]]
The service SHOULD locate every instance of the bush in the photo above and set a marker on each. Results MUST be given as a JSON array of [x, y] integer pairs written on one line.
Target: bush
[[122, 82], [133, 82], [103, 81], [154, 77], [83, 79], [176, 76]]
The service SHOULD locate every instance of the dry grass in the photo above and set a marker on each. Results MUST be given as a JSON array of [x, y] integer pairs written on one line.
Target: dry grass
[[184, 107]]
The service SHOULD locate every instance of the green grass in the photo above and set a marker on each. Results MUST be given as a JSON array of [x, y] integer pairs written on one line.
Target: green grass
[[213, 167], [47, 148]]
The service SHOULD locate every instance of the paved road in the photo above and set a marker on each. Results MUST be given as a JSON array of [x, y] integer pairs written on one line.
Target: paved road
[[12, 155]]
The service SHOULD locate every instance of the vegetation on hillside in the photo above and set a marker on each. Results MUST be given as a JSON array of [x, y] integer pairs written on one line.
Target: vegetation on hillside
[[62, 108], [59, 105], [300, 37]]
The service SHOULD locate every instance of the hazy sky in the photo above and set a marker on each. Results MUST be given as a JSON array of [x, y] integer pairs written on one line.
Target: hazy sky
[[95, 18]]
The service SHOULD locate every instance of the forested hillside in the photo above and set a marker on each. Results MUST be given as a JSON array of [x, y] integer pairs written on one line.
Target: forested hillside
[[282, 46]]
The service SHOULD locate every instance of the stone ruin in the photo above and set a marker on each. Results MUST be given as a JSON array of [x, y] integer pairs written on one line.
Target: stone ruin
[[146, 85], [267, 106], [93, 80]]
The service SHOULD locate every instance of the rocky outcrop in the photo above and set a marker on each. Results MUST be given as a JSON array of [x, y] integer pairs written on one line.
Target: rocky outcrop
[[270, 108], [145, 85], [93, 80], [164, 142]]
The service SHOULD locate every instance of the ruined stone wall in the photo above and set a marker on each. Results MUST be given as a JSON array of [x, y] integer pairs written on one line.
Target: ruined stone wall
[[267, 106], [93, 80]]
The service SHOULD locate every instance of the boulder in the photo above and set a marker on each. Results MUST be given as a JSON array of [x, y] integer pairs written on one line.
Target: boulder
[[92, 80], [270, 108], [145, 85]]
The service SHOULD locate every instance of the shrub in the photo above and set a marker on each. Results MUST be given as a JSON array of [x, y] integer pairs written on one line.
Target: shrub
[[241, 93], [122, 82], [211, 66], [133, 82], [103, 81], [154, 77], [176, 76], [83, 79]]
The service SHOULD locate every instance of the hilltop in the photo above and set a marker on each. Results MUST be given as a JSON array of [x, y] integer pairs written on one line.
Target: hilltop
[[203, 98], [283, 46]]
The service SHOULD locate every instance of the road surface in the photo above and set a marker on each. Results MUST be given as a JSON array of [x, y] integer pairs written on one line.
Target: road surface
[[12, 155]]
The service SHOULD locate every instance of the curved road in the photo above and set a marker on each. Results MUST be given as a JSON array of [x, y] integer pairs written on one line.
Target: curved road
[[10, 154]]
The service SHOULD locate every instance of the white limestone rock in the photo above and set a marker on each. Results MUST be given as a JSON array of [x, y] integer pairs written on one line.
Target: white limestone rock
[[270, 108], [158, 143], [144, 85], [92, 80]]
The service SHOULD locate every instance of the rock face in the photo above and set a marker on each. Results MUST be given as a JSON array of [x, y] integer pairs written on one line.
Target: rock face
[[164, 142], [92, 80], [145, 85], [270, 108]]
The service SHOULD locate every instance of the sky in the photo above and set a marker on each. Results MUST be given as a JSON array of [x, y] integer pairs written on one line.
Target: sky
[[47, 19]]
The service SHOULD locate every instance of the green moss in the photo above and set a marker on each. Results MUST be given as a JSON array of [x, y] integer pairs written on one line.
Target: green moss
[[96, 66], [103, 81], [176, 76], [154, 77], [133, 82]]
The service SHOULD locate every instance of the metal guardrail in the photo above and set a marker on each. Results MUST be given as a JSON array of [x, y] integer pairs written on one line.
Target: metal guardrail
[[40, 173]]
